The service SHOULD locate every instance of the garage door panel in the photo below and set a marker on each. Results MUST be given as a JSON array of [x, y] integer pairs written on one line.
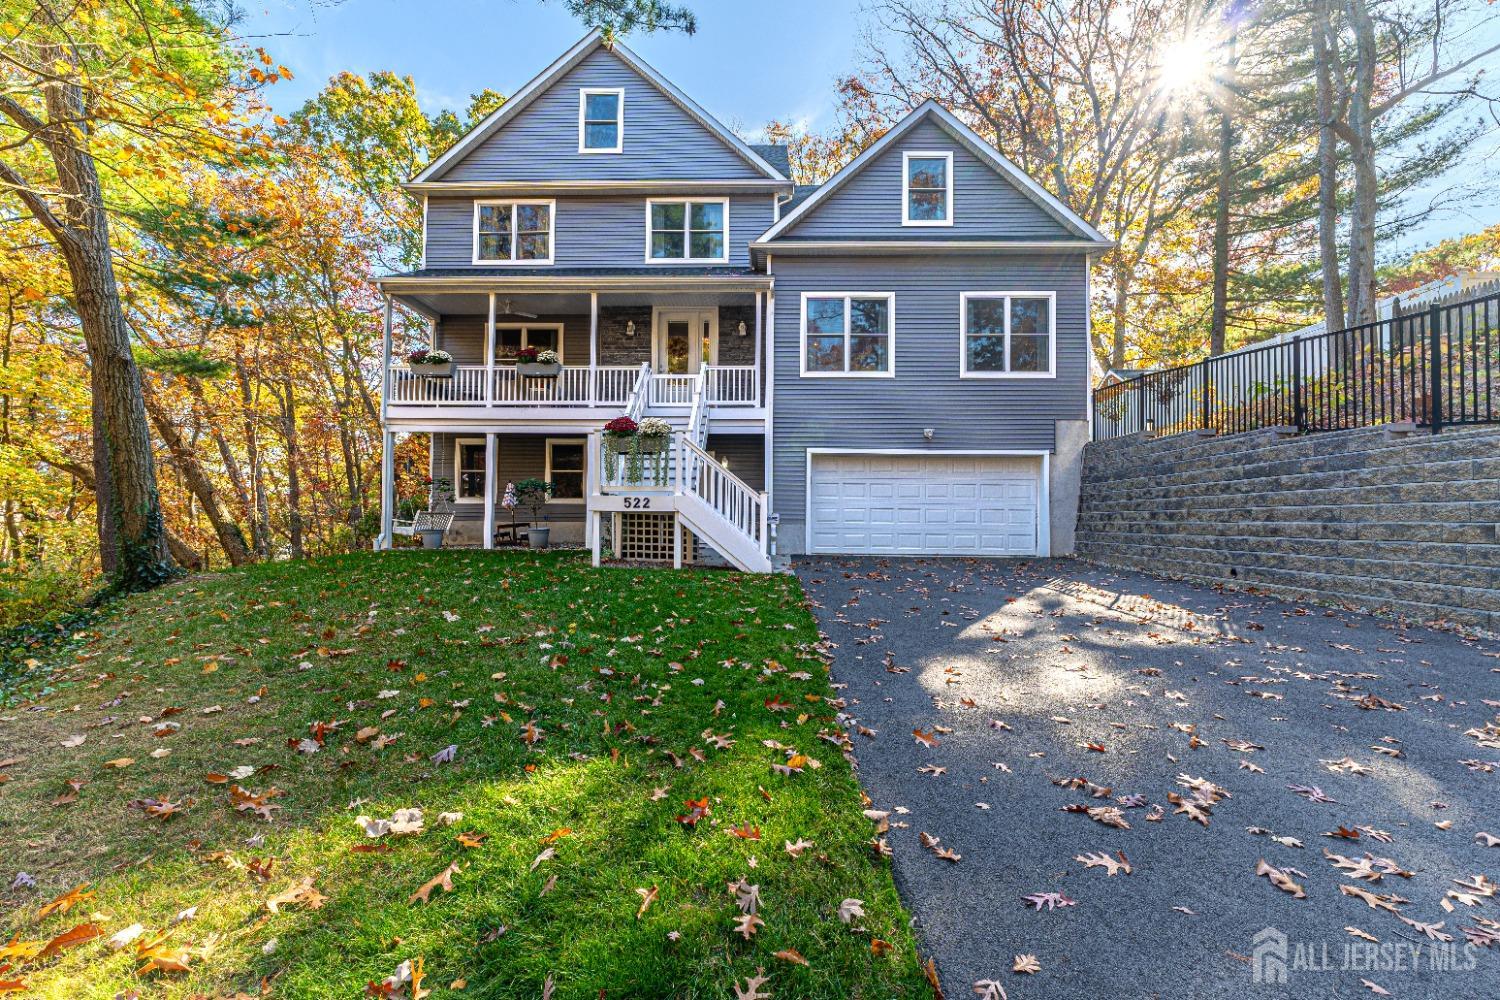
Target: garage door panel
[[925, 504]]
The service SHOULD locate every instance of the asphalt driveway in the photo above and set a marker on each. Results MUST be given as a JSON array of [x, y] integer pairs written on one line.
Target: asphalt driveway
[[1046, 686]]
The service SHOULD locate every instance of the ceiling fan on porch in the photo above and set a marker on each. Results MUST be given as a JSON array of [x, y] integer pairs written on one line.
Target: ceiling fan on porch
[[507, 309]]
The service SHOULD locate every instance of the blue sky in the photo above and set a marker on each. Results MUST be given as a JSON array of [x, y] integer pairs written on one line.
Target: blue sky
[[751, 61], [739, 65]]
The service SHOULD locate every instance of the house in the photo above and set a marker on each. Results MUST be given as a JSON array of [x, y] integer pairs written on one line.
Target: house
[[895, 361]]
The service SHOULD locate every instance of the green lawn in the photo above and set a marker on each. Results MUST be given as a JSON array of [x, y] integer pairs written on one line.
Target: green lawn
[[586, 707]]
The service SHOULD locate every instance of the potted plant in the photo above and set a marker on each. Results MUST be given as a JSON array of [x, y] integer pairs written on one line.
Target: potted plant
[[430, 363], [438, 517], [533, 494], [619, 438], [654, 439], [655, 435], [534, 363]]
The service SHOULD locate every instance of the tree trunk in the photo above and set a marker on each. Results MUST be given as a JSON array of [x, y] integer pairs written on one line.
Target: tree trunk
[[259, 513], [1328, 171], [81, 232], [293, 477], [104, 518], [1223, 191], [1123, 279], [197, 480], [1361, 304]]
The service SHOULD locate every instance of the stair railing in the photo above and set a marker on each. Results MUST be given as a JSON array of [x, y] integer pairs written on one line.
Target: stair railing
[[635, 403], [725, 493]]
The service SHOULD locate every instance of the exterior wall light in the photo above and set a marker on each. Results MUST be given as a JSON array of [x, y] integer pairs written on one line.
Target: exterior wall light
[[928, 433], [1150, 425], [630, 328], [741, 329]]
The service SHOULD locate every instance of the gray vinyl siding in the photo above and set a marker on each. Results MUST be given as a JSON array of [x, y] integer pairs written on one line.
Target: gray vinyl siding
[[589, 232], [521, 456], [890, 414], [986, 205], [746, 454], [463, 336], [661, 140]]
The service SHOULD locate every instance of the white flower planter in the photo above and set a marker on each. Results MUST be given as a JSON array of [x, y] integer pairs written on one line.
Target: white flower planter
[[443, 370], [537, 370]]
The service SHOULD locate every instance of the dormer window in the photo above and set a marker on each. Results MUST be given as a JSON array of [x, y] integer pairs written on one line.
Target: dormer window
[[927, 189], [601, 120]]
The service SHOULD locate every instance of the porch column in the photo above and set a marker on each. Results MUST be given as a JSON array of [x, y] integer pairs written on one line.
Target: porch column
[[387, 488], [593, 348], [770, 386], [759, 319], [385, 361], [432, 333], [489, 491], [489, 355]]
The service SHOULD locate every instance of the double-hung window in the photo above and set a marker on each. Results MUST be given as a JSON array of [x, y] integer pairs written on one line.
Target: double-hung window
[[513, 232], [601, 120], [1008, 334], [694, 230], [848, 334], [565, 457], [927, 189], [468, 470]]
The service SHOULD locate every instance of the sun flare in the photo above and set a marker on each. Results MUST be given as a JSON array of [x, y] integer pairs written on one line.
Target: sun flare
[[1186, 65]]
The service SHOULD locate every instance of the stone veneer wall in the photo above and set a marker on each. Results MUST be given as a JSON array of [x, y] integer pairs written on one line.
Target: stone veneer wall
[[1406, 523]]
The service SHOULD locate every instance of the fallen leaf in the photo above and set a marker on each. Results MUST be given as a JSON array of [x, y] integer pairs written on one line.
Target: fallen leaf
[[443, 878]]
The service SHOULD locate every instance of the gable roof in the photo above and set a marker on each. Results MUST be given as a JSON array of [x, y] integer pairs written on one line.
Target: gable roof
[[539, 84], [970, 139], [776, 154]]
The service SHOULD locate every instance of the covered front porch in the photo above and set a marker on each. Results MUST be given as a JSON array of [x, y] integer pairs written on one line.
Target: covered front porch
[[476, 465], [608, 332]]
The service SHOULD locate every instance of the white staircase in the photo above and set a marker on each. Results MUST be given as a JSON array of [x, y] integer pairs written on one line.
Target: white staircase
[[719, 508]]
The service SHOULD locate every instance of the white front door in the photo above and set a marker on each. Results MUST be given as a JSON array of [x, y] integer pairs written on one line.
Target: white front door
[[684, 339], [968, 505]]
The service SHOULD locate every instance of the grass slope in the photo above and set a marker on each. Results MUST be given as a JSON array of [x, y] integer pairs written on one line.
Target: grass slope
[[627, 675]]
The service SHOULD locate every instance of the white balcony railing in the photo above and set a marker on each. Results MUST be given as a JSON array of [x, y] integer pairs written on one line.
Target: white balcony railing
[[731, 385], [575, 385]]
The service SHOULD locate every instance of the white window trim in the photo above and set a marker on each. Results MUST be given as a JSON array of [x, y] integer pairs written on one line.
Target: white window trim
[[458, 450], [584, 471], [551, 203], [890, 298], [686, 231], [963, 334], [906, 157], [523, 327], [583, 100]]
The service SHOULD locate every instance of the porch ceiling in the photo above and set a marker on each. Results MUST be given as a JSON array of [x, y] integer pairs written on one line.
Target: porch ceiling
[[552, 303]]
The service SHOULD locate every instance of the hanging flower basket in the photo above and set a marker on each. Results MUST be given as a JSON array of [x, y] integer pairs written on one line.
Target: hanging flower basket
[[655, 436], [430, 364], [533, 363]]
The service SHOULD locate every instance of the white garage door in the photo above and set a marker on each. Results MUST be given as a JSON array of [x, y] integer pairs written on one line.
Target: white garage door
[[925, 504]]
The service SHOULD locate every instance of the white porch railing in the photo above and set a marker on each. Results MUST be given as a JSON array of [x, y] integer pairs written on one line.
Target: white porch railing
[[731, 385], [672, 390], [575, 385], [635, 402]]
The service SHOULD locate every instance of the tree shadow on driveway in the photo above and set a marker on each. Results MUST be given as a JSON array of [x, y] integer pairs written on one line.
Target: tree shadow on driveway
[[1051, 686]]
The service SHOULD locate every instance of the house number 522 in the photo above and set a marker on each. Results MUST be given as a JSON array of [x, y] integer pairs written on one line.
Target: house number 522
[[637, 503]]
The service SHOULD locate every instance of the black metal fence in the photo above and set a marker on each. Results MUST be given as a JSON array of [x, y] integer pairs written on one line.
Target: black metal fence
[[1435, 368]]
